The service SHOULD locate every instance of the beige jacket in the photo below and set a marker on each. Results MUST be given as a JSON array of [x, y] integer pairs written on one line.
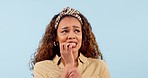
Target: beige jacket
[[88, 67]]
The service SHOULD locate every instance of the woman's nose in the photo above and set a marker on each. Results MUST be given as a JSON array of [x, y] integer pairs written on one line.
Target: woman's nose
[[71, 37]]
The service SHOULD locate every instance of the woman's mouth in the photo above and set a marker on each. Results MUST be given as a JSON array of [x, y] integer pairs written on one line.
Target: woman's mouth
[[72, 44]]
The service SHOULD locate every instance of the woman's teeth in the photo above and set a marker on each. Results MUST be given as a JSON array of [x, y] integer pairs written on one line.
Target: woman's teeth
[[73, 45]]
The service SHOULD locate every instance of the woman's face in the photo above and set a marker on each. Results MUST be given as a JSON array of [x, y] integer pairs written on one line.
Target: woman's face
[[70, 32]]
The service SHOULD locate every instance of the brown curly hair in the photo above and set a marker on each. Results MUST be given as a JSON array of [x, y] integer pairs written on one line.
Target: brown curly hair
[[47, 51]]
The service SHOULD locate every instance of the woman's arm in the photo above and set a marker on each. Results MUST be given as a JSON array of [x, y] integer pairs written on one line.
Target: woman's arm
[[104, 70]]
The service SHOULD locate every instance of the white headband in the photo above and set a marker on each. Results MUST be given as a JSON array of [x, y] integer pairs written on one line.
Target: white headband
[[70, 12]]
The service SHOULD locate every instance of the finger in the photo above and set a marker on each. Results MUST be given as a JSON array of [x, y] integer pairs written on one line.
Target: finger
[[71, 75], [73, 72], [64, 46], [61, 48], [67, 46], [71, 53]]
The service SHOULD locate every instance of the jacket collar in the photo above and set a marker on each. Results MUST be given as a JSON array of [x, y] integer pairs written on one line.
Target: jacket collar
[[57, 60]]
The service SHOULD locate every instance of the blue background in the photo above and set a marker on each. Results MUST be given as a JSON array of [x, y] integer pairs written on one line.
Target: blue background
[[120, 27]]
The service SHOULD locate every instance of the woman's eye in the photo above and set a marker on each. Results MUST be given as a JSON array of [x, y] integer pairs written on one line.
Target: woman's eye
[[64, 31], [77, 31]]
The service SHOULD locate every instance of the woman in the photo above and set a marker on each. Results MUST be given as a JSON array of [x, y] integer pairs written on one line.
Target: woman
[[68, 49]]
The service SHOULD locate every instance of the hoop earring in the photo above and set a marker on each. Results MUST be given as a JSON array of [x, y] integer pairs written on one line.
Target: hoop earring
[[55, 43]]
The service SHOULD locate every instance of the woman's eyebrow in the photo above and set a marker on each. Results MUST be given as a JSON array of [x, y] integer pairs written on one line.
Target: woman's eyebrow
[[76, 26], [65, 27]]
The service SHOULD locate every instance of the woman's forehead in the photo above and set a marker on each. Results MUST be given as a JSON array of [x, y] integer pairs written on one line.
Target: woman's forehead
[[69, 21]]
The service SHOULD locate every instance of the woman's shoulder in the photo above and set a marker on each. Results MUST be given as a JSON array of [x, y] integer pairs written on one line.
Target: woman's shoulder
[[46, 68], [92, 61], [99, 66], [48, 63], [42, 64], [96, 62]]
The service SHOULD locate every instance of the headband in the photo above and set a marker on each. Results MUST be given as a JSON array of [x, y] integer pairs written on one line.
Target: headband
[[70, 12]]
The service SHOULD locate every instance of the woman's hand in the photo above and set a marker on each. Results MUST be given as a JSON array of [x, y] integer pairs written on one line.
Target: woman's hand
[[66, 53], [70, 72], [74, 73]]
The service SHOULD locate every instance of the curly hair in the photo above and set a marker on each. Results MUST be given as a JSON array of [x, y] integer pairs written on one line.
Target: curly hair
[[47, 51]]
